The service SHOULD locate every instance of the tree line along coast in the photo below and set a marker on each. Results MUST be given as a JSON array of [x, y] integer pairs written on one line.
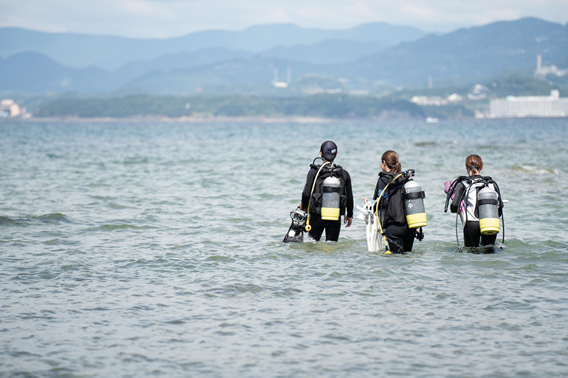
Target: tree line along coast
[[464, 102]]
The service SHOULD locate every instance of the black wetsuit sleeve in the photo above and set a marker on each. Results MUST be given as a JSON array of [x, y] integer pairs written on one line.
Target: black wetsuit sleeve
[[308, 188], [458, 193], [349, 194]]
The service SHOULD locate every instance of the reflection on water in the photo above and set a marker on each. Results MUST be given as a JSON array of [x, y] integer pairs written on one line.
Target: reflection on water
[[133, 249]]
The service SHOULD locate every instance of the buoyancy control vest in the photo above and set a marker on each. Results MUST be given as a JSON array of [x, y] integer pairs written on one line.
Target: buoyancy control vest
[[405, 200], [328, 194], [482, 201], [395, 211]]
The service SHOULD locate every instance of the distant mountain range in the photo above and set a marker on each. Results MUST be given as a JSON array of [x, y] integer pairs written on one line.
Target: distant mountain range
[[256, 54], [466, 55], [473, 53], [80, 51]]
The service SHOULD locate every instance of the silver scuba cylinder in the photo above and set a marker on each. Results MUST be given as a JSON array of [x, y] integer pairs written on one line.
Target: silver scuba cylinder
[[330, 199], [414, 204], [488, 208]]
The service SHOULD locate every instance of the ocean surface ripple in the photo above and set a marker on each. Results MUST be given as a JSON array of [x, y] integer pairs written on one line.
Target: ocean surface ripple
[[154, 249]]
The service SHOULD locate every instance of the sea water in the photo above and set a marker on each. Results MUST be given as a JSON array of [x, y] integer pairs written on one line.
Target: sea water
[[155, 249]]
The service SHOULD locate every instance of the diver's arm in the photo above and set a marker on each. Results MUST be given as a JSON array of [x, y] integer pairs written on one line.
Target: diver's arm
[[307, 190], [349, 193], [458, 192]]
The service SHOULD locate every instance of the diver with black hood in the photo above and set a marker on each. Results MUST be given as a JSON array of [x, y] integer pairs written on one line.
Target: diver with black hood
[[327, 196]]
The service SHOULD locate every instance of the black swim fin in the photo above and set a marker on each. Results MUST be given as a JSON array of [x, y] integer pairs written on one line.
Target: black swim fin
[[294, 235]]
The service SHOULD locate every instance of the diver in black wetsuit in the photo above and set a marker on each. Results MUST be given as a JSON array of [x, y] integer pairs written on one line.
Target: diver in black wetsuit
[[399, 236], [312, 195]]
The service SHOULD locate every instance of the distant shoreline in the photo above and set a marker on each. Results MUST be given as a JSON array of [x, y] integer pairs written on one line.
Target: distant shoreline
[[202, 119], [267, 120]]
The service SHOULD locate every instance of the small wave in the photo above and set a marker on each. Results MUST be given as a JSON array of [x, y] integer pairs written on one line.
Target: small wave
[[118, 227], [535, 169], [7, 221], [113, 205], [243, 288], [425, 144], [135, 160], [221, 258], [53, 217], [23, 221]]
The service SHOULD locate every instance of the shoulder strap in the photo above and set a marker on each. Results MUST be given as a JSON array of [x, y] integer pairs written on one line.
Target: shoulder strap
[[451, 190]]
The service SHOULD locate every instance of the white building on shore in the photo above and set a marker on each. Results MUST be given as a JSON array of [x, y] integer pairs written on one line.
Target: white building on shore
[[530, 106], [8, 108]]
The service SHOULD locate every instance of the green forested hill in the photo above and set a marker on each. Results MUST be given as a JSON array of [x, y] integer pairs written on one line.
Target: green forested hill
[[331, 106]]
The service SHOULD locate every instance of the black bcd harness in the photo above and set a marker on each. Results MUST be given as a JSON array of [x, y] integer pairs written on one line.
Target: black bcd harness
[[329, 170]]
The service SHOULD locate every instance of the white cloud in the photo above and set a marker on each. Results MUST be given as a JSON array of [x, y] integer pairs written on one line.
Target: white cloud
[[167, 18]]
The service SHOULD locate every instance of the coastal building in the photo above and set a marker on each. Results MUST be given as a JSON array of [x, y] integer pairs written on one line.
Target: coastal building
[[8, 108], [429, 101], [280, 84], [530, 106], [455, 98], [542, 71], [478, 92], [436, 100]]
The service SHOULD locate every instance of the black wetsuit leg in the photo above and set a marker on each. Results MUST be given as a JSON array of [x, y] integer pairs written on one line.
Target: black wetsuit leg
[[409, 239], [488, 239], [332, 228], [400, 237], [317, 227], [472, 235]]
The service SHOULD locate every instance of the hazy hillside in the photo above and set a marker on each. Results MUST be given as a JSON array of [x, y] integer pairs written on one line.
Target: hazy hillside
[[30, 72], [185, 59], [256, 70], [472, 53], [330, 51], [34, 73], [80, 50]]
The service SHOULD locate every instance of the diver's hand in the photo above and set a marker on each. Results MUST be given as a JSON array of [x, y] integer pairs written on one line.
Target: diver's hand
[[300, 206], [348, 221]]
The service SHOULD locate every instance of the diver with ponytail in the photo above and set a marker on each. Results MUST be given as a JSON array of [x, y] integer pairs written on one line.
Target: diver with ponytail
[[389, 192], [467, 194]]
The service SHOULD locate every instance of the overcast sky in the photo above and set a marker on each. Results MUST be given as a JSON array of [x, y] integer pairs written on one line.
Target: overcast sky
[[168, 18]]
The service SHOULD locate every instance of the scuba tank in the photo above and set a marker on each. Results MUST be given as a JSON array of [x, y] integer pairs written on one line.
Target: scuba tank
[[330, 199], [413, 197], [488, 207]]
